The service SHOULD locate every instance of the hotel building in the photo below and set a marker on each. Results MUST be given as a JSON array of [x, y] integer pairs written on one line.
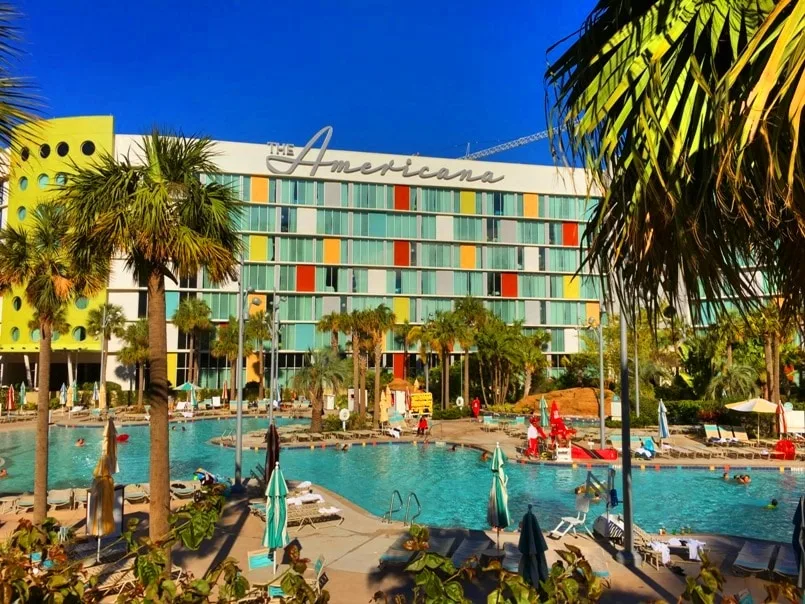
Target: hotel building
[[333, 231]]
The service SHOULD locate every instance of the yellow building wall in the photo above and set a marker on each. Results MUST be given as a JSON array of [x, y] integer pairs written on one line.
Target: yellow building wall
[[572, 287], [467, 256], [62, 142], [173, 366], [332, 251], [402, 309], [467, 199]]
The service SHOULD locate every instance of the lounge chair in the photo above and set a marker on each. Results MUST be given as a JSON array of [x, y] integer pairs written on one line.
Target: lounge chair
[[569, 523], [80, 497], [216, 403], [397, 556], [180, 490], [316, 436], [754, 557], [313, 514], [60, 498], [262, 406], [344, 435], [303, 437], [287, 438], [786, 563], [511, 557], [233, 406], [489, 423], [471, 547], [134, 493], [25, 503], [741, 437]]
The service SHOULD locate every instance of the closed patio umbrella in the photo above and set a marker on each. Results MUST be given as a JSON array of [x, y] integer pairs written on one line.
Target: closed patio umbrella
[[497, 510], [69, 395], [11, 403], [193, 399], [384, 408], [100, 515], [96, 396], [782, 426], [75, 393], [754, 405], [63, 395], [109, 444], [225, 393], [22, 393], [272, 451], [276, 535], [544, 419], [662, 414], [533, 565]]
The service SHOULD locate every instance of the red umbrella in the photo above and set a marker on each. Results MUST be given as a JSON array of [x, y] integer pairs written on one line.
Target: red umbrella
[[555, 412], [11, 402], [782, 426]]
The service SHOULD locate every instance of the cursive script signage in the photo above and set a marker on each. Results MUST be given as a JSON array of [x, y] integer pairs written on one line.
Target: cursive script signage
[[286, 161]]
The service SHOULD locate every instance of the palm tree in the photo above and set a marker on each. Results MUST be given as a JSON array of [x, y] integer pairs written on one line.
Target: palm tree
[[323, 370], [35, 259], [259, 328], [157, 214], [225, 346], [350, 325], [331, 323], [135, 352], [687, 115], [472, 314], [105, 321], [379, 322], [442, 331], [419, 334], [192, 317], [404, 334], [732, 381], [534, 358]]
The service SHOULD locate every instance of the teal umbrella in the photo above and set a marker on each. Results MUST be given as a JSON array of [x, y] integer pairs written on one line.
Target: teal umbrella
[[497, 511], [186, 387], [75, 393], [193, 400], [63, 395], [544, 419], [276, 512]]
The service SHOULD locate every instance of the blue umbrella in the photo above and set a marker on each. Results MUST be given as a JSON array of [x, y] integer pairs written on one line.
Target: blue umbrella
[[497, 511], [662, 413]]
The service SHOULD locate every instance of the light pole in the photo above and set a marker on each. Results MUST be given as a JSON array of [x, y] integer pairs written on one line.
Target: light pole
[[601, 410], [636, 363], [274, 369]]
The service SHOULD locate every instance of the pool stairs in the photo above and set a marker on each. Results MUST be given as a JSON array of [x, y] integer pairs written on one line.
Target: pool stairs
[[397, 498]]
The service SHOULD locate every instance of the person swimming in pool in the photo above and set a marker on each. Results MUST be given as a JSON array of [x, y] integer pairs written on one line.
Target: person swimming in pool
[[80, 442], [453, 448], [725, 476], [484, 456], [772, 505], [3, 473]]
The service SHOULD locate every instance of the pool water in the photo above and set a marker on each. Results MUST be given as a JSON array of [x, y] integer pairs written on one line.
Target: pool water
[[453, 487]]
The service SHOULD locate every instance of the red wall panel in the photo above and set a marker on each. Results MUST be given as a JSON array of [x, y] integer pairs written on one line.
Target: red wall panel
[[305, 278], [508, 285], [402, 253], [399, 363], [570, 233], [402, 198]]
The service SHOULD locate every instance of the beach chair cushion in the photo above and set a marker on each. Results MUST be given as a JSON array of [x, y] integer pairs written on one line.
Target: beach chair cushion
[[754, 557], [786, 563], [260, 558]]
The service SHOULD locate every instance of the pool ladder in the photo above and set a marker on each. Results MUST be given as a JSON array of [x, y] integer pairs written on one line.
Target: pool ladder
[[408, 518]]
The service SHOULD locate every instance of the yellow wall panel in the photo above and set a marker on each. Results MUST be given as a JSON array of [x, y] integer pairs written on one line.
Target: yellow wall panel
[[173, 365], [467, 256], [402, 309], [467, 202], [332, 251], [253, 367], [593, 311], [258, 248], [572, 287], [530, 205], [259, 193]]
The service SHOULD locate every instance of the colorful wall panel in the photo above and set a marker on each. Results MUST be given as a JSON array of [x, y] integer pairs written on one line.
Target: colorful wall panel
[[398, 360], [332, 251], [570, 234], [467, 199], [572, 287], [593, 311], [402, 253], [508, 285], [402, 309], [305, 278], [402, 197], [467, 256], [258, 248], [530, 205], [259, 189]]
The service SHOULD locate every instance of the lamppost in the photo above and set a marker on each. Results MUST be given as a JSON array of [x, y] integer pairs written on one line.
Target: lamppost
[[601, 410], [274, 369], [242, 310]]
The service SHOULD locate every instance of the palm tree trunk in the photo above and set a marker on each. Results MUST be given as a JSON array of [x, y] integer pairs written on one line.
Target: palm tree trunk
[[316, 414], [376, 412], [427, 372], [364, 369], [445, 380], [140, 384], [769, 388], [158, 525], [193, 359], [527, 386], [483, 385], [729, 355], [261, 392], [775, 355], [356, 366], [334, 340], [42, 412], [466, 377]]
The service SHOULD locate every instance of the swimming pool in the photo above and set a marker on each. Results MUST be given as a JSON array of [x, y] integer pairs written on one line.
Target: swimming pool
[[452, 486]]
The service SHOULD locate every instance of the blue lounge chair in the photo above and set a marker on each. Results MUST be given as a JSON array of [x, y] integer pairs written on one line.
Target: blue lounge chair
[[754, 557], [471, 547], [786, 563]]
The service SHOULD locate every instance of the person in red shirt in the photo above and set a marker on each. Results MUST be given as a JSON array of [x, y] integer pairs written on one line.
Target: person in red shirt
[[476, 407], [422, 427]]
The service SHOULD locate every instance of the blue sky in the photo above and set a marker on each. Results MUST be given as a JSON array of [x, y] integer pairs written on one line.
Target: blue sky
[[399, 77]]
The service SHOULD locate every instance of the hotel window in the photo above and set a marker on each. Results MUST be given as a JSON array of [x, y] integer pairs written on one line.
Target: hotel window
[[222, 306], [557, 340], [428, 282], [344, 195], [555, 233], [467, 229], [331, 279], [287, 278], [372, 252], [589, 287], [300, 192], [297, 308], [492, 229], [360, 280], [360, 224], [402, 281], [530, 232], [260, 218], [520, 258], [428, 227], [468, 283], [430, 306], [566, 313], [497, 204], [542, 258], [234, 182], [439, 200], [371, 302], [564, 260], [258, 276], [287, 220], [532, 286], [332, 222], [437, 254], [372, 196], [501, 257], [493, 284], [557, 287], [319, 193], [377, 224], [401, 226], [298, 249], [507, 311]]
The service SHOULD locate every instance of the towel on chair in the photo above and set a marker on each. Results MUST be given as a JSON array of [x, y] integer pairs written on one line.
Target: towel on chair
[[662, 549], [329, 511], [693, 546], [304, 485]]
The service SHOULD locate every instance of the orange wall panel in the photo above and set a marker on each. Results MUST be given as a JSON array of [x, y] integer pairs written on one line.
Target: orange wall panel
[[305, 278], [467, 256], [508, 285], [530, 205], [570, 233], [402, 253], [399, 363], [402, 198], [259, 189], [332, 251]]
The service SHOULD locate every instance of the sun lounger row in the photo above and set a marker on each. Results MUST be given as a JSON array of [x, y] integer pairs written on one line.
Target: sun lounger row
[[763, 557]]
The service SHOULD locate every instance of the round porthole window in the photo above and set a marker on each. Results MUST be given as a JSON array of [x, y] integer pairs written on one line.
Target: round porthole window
[[15, 333], [81, 303], [44, 151], [87, 147], [43, 180], [35, 335], [25, 153], [21, 213], [79, 334], [61, 178], [16, 303], [23, 183], [62, 149]]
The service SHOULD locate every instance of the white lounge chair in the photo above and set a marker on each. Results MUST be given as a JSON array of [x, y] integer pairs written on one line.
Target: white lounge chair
[[60, 498], [569, 523]]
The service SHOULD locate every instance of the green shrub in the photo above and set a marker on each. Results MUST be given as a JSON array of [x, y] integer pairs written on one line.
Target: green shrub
[[55, 403], [452, 413], [331, 423]]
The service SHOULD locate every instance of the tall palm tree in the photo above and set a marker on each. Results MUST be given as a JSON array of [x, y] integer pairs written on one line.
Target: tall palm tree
[[157, 214], [378, 322], [331, 323], [192, 317], [351, 325], [323, 370], [442, 331], [104, 322], [259, 328], [472, 313], [732, 381], [226, 346], [135, 353], [687, 115], [420, 335], [534, 359], [404, 334], [34, 258]]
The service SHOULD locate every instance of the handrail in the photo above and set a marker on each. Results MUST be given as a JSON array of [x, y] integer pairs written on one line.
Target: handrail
[[387, 516], [410, 520]]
